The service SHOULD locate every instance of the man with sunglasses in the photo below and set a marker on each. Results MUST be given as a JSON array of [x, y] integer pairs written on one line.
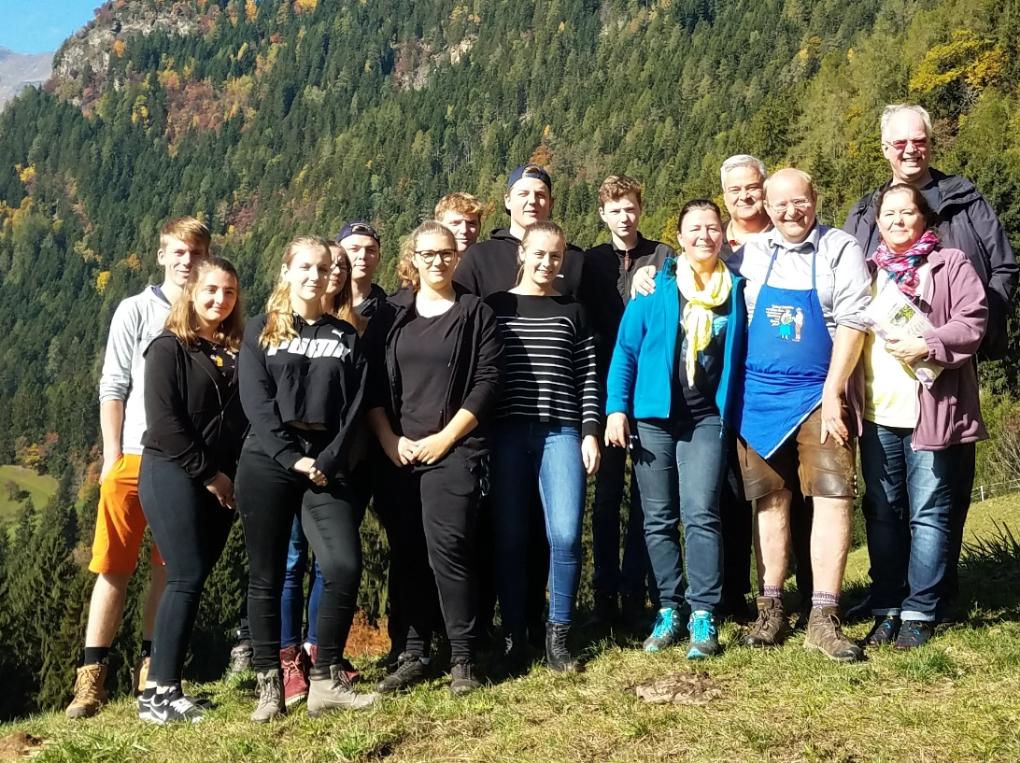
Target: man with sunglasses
[[965, 221]]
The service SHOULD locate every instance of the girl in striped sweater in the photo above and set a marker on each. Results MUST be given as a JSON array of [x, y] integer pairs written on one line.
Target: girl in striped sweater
[[547, 427]]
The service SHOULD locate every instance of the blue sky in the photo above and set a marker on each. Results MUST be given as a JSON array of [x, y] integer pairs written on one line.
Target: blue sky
[[39, 26]]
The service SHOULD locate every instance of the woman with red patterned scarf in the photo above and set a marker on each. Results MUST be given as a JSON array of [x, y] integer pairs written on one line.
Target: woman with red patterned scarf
[[921, 406]]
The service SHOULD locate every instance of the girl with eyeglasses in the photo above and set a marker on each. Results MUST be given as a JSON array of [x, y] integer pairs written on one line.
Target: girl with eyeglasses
[[435, 371]]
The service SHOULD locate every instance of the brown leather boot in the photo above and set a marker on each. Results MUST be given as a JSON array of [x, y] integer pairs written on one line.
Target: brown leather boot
[[771, 628], [89, 691], [825, 633]]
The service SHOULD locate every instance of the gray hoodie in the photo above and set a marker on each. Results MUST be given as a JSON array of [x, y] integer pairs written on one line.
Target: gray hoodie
[[137, 321]]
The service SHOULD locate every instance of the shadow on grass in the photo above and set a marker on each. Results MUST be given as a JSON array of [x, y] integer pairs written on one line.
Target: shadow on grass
[[989, 570]]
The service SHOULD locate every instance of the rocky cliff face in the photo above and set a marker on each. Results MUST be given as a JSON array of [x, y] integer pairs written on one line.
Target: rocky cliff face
[[81, 64], [19, 70]]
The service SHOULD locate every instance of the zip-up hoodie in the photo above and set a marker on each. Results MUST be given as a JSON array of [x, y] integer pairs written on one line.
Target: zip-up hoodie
[[194, 412], [317, 378], [492, 265], [966, 221], [474, 368], [137, 321]]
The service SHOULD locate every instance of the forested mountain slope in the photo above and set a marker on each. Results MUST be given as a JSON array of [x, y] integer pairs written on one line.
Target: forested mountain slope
[[275, 117]]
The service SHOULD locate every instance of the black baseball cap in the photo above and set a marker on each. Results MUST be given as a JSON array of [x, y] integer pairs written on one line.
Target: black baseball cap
[[529, 171], [357, 228]]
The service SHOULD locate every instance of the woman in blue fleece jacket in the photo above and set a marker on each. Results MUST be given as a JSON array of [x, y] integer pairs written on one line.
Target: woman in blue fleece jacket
[[676, 371]]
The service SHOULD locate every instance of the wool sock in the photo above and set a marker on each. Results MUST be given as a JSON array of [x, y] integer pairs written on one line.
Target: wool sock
[[824, 599], [772, 591]]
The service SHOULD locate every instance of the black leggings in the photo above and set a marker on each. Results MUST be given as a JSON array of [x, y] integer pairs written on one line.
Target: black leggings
[[268, 497], [433, 547], [190, 529]]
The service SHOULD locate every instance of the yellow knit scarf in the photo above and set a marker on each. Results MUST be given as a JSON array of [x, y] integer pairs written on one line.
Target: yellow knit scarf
[[697, 317]]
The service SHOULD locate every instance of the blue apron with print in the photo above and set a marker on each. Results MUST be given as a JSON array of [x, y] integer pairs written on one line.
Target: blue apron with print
[[788, 354]]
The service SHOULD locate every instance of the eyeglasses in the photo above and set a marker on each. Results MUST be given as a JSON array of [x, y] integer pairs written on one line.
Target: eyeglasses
[[799, 204], [901, 145], [428, 257]]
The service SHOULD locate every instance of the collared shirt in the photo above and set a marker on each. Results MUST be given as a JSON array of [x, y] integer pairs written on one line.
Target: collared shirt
[[843, 281]]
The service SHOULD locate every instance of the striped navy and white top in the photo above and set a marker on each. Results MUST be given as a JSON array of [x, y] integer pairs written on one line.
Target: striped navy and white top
[[549, 369]]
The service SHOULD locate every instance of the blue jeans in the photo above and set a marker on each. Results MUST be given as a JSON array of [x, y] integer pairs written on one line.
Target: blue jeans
[[292, 600], [680, 470], [611, 576], [524, 452], [907, 505]]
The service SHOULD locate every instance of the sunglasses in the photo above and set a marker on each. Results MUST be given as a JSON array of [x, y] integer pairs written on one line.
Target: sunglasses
[[901, 145]]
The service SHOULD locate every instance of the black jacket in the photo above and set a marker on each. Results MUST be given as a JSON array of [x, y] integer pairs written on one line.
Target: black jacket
[[966, 221], [475, 368], [492, 265], [193, 413], [317, 378], [606, 285]]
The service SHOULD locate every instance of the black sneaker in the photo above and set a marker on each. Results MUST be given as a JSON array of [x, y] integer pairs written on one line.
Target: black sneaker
[[914, 633], [463, 678], [145, 704], [410, 671], [172, 707], [884, 631], [557, 656]]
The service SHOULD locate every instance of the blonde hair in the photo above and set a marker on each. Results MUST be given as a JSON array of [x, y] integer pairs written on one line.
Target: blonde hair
[[183, 322], [461, 202], [190, 230], [407, 270], [341, 304], [615, 187], [546, 226], [279, 310]]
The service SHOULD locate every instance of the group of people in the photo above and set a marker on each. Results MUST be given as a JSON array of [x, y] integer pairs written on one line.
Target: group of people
[[738, 375]]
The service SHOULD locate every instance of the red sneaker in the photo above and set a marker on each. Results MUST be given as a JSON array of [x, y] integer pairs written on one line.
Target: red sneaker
[[294, 663]]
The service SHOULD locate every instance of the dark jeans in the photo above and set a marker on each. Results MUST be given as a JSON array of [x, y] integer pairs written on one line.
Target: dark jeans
[[908, 505], [190, 528], [435, 538], [610, 577], [737, 519], [680, 470], [962, 478], [292, 601], [525, 453], [268, 498]]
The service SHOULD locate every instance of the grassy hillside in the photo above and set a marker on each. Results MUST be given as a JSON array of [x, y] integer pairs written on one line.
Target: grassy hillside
[[40, 488], [957, 699]]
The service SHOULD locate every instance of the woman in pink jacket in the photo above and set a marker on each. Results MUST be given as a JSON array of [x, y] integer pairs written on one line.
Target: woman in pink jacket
[[914, 425]]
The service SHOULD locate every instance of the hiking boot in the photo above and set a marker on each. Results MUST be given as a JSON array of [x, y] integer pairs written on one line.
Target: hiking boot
[[825, 633], [140, 675], [172, 707], [294, 663], [410, 671], [557, 656], [704, 636], [884, 631], [771, 628], [463, 678], [666, 632], [89, 691], [335, 693], [914, 633], [240, 659], [269, 685]]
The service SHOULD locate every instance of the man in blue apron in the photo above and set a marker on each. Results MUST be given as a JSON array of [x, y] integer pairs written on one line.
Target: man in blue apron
[[807, 285]]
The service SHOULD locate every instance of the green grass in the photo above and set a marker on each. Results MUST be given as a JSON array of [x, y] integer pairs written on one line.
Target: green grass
[[40, 488], [956, 699]]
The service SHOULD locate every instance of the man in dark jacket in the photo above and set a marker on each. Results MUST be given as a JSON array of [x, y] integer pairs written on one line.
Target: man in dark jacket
[[967, 222], [605, 291], [491, 266]]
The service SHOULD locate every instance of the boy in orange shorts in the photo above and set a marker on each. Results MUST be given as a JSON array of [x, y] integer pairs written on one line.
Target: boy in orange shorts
[[120, 524]]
